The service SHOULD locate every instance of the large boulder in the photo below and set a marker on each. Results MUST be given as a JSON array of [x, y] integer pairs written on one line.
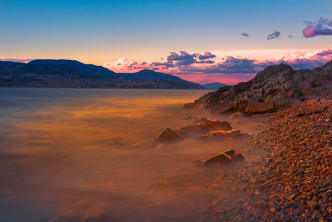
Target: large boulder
[[168, 136], [273, 88]]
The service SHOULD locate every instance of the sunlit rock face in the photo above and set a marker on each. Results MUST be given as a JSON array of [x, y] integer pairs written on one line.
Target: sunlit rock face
[[275, 87]]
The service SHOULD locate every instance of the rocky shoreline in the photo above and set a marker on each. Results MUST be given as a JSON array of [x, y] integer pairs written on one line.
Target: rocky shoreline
[[292, 178], [293, 181]]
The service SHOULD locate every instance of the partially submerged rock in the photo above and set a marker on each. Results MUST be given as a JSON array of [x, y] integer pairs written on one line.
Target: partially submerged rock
[[221, 134], [117, 143], [168, 136], [224, 158], [204, 125], [218, 159]]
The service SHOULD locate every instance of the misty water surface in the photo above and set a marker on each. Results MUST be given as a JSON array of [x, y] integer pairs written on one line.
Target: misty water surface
[[57, 161]]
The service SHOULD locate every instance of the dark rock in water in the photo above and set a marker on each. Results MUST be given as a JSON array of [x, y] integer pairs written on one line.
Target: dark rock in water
[[224, 158], [273, 88], [235, 155], [218, 159], [168, 136], [214, 124], [204, 125], [117, 143]]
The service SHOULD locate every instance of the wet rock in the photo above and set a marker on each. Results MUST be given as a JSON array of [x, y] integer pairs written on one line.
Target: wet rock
[[117, 143], [221, 134], [204, 125], [224, 158], [234, 155], [168, 136], [218, 159], [213, 124]]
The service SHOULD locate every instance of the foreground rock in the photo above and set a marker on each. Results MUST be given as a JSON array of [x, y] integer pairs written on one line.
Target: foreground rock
[[224, 158], [168, 136], [275, 87]]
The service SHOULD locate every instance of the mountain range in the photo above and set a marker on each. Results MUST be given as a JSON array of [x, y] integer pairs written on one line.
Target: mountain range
[[74, 74], [214, 85]]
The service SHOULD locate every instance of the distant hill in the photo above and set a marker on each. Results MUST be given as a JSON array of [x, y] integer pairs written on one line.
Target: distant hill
[[74, 74], [214, 85]]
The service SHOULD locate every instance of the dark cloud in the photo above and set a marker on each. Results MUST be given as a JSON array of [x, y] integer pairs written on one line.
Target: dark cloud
[[273, 35], [187, 64], [184, 59], [206, 55], [233, 65], [244, 34], [322, 27]]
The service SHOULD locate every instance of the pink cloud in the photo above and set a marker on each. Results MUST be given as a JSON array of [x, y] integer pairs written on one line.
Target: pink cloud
[[319, 28], [229, 69], [20, 60]]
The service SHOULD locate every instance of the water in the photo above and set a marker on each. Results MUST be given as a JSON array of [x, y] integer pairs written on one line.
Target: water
[[58, 164]]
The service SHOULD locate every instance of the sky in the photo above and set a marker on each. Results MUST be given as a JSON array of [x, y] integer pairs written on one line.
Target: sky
[[198, 40]]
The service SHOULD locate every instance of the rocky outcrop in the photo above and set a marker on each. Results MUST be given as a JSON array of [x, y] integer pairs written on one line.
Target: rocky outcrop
[[275, 87], [224, 158]]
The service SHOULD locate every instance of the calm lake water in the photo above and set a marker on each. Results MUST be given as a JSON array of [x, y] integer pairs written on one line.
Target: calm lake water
[[58, 162]]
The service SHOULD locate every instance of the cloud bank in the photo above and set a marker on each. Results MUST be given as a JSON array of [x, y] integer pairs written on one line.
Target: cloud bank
[[320, 28], [15, 60], [230, 69]]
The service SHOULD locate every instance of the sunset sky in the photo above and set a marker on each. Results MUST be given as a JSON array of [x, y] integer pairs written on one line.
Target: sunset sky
[[202, 41]]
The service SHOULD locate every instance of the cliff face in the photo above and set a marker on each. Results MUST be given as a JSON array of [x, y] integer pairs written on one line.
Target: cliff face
[[73, 74], [274, 87]]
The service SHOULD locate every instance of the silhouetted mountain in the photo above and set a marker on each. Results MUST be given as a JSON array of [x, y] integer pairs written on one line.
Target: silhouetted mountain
[[214, 85], [149, 75], [74, 74]]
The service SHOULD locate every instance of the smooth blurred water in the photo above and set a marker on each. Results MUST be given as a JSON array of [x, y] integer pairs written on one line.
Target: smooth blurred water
[[57, 162]]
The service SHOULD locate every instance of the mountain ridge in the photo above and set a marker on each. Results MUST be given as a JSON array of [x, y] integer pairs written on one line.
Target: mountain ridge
[[74, 74], [214, 85]]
